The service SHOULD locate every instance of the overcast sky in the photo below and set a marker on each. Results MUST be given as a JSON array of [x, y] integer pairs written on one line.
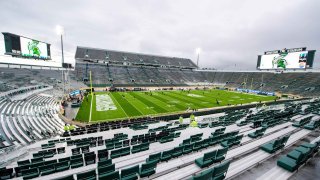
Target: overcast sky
[[230, 33]]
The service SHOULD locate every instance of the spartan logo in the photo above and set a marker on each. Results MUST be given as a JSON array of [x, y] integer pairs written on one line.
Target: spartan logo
[[280, 61], [33, 48]]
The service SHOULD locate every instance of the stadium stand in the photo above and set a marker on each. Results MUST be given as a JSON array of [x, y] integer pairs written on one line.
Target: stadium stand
[[106, 72], [130, 155], [36, 143]]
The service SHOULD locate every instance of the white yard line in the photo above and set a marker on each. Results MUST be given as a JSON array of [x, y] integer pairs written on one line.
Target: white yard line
[[90, 115]]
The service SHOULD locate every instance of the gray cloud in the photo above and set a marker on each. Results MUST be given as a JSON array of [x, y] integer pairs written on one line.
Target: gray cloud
[[230, 33]]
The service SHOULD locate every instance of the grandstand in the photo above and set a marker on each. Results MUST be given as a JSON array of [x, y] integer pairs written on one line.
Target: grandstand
[[125, 69], [275, 139]]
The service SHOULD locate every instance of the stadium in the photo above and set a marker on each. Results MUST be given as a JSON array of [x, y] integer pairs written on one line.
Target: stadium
[[72, 110]]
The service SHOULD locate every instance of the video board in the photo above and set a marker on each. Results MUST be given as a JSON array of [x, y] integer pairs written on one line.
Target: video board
[[296, 58]]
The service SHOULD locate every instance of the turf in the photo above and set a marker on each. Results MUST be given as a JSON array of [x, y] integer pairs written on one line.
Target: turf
[[138, 104]]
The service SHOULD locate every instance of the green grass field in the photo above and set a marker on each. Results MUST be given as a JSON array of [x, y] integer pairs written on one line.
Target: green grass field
[[136, 104]]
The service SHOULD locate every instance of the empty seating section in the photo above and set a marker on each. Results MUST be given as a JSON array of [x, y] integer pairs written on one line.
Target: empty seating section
[[154, 76], [298, 156], [118, 57], [275, 145], [164, 149], [106, 126], [302, 122], [26, 121], [217, 172], [211, 157], [257, 133]]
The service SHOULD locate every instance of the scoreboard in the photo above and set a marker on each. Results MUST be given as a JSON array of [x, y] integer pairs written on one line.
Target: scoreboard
[[295, 58], [19, 46]]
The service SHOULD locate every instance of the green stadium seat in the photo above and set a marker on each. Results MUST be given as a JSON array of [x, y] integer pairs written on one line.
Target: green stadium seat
[[144, 146], [167, 139], [48, 169], [306, 152], [117, 145], [220, 171], [104, 163], [130, 173], [312, 125], [187, 148], [204, 125], [301, 122], [62, 166], [197, 146], [206, 160], [154, 157], [103, 154], [186, 142], [48, 155], [148, 169], [90, 175], [213, 140], [206, 143], [64, 159], [110, 176], [50, 162], [75, 163], [24, 162], [273, 146], [238, 139], [110, 146], [115, 153], [291, 164], [311, 146], [221, 155], [135, 149], [30, 173], [232, 141], [177, 151], [166, 155], [177, 134], [36, 160], [257, 133], [125, 151], [102, 170], [90, 158], [36, 165], [61, 150], [6, 173]]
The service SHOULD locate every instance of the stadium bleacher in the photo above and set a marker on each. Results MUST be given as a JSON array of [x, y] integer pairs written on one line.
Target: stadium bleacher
[[139, 76], [134, 153]]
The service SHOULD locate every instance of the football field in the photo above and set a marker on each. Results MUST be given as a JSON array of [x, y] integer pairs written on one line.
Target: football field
[[104, 106]]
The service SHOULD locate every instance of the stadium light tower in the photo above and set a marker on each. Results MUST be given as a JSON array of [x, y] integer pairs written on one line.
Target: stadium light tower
[[198, 50], [60, 32]]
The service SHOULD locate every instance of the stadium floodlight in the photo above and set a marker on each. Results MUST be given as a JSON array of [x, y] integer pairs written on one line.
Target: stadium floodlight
[[59, 30], [198, 50]]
